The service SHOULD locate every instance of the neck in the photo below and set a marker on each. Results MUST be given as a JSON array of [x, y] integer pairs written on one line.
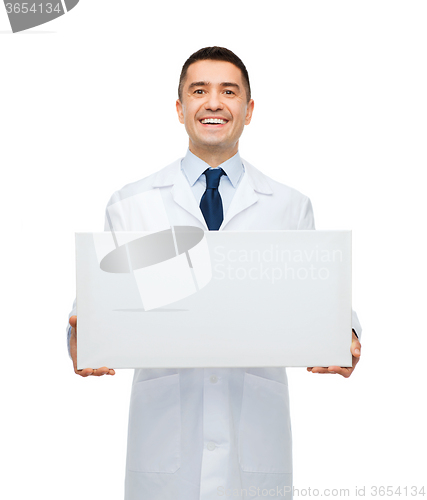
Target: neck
[[213, 156]]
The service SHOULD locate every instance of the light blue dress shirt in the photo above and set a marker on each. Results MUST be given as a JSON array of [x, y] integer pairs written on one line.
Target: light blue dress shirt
[[193, 168]]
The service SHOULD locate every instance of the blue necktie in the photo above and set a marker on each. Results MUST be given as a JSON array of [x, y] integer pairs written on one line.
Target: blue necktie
[[211, 203]]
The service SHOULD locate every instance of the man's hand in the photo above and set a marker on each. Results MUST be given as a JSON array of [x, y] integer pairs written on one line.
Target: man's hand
[[73, 350], [345, 372]]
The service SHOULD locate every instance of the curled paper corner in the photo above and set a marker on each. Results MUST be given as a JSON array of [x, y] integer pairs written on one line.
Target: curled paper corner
[[24, 15]]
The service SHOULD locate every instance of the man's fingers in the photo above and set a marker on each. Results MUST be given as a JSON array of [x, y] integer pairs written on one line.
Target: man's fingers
[[345, 372], [85, 372], [319, 369], [98, 372], [340, 370], [95, 372]]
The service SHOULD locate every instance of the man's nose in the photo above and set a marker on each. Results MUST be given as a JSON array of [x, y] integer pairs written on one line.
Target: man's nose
[[213, 102]]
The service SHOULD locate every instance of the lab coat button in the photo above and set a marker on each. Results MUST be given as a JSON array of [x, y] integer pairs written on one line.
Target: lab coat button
[[214, 379], [211, 446]]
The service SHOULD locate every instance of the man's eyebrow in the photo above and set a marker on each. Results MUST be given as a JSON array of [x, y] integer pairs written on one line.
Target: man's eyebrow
[[230, 84], [198, 84], [206, 84]]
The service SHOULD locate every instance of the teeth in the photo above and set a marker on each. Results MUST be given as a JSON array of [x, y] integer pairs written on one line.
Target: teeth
[[214, 120]]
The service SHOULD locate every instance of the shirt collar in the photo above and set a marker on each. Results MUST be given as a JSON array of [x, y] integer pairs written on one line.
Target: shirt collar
[[193, 167]]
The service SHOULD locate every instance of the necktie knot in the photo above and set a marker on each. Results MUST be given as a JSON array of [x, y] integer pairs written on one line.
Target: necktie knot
[[213, 177]]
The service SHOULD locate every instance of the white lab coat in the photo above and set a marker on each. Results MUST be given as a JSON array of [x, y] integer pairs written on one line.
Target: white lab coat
[[203, 434]]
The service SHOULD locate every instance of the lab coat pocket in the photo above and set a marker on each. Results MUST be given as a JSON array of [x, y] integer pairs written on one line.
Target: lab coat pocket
[[154, 439], [265, 443]]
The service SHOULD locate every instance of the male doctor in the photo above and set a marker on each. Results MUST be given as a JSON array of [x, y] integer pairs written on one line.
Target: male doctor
[[205, 434]]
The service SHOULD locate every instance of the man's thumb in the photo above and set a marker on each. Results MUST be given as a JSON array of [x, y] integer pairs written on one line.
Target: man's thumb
[[73, 321]]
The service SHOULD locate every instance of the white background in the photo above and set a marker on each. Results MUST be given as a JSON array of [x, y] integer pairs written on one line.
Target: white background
[[87, 104]]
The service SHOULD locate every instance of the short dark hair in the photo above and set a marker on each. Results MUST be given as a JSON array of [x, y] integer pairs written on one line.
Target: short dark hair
[[215, 54]]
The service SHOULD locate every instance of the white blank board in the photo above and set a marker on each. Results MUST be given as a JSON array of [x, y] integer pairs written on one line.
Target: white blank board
[[220, 299]]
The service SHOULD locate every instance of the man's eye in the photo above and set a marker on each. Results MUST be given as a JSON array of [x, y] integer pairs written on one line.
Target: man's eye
[[229, 92], [199, 91]]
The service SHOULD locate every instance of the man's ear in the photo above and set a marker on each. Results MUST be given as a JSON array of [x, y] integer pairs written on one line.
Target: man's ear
[[179, 111], [249, 111]]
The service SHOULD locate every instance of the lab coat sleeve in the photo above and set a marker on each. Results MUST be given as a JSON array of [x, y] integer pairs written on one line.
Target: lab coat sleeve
[[306, 221], [355, 324], [72, 313], [118, 223]]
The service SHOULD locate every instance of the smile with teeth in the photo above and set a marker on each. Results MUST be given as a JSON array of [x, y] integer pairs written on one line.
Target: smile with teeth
[[213, 121]]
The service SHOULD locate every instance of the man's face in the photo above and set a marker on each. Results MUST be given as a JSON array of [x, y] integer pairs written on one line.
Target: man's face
[[214, 107]]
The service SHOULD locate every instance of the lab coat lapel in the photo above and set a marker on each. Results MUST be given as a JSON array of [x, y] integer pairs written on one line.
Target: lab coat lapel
[[252, 183], [183, 196], [244, 197], [180, 190]]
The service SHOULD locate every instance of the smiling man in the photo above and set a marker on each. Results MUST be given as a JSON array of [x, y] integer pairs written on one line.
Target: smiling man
[[202, 434]]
